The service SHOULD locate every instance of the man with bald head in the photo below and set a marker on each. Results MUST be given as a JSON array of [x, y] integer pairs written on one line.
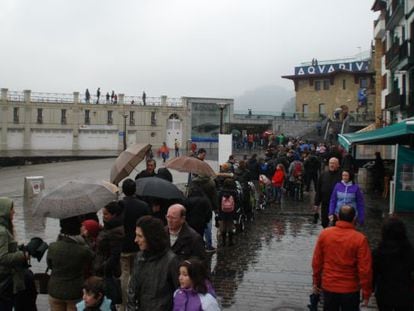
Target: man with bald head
[[342, 264], [185, 241], [326, 183]]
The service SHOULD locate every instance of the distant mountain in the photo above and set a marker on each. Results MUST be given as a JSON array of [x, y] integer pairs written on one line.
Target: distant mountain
[[290, 105], [272, 98]]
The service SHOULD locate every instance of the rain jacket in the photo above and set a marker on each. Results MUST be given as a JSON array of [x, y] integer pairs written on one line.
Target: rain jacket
[[12, 261], [278, 178], [190, 300], [342, 260], [347, 194], [153, 282]]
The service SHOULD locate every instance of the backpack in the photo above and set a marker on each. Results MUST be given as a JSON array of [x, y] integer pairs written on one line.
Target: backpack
[[297, 170], [227, 204]]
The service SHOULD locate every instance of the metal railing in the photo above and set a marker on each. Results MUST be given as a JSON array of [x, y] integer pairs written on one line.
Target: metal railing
[[66, 98]]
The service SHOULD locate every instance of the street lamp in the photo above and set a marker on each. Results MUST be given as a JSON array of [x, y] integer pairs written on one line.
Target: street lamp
[[125, 116], [221, 106]]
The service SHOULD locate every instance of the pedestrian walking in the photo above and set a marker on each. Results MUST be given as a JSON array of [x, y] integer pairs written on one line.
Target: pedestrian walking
[[68, 258], [155, 275], [98, 95], [87, 96], [15, 277], [164, 152], [196, 292], [177, 147], [277, 183], [112, 96], [326, 183], [107, 97], [378, 172], [94, 296], [393, 268], [342, 264], [144, 98], [346, 192]]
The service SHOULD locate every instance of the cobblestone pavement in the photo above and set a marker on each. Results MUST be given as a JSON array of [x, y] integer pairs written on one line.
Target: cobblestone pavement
[[269, 268]]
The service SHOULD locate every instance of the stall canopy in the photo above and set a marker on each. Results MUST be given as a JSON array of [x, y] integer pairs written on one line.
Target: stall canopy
[[401, 133]]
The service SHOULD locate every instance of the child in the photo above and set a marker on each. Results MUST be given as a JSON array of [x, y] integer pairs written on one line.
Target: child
[[93, 296], [277, 183], [196, 292]]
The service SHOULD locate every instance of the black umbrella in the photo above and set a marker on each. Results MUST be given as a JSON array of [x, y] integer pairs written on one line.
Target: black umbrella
[[157, 188], [314, 299]]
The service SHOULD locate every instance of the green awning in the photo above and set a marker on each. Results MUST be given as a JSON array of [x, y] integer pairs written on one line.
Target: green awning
[[400, 133]]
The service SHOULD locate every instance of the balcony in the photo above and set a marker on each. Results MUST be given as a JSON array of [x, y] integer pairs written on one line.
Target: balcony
[[400, 57], [397, 14], [395, 100]]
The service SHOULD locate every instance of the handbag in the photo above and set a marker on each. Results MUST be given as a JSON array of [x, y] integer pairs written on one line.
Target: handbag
[[42, 281], [113, 289]]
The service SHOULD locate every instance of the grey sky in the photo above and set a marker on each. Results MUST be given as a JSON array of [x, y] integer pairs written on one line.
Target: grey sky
[[217, 48]]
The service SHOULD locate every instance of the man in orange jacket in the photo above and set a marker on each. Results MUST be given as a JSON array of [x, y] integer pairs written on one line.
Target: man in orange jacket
[[342, 264]]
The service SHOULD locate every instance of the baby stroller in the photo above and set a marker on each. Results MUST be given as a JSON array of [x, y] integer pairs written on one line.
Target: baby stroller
[[264, 186], [240, 215]]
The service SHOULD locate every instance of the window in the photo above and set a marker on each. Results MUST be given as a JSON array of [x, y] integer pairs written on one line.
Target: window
[[326, 84], [153, 118], [131, 118], [87, 116], [363, 83], [16, 115], [322, 109], [63, 116], [344, 84], [110, 121], [317, 85], [305, 108], [39, 115]]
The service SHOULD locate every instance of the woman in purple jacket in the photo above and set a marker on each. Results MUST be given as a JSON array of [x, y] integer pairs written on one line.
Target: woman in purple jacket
[[346, 192]]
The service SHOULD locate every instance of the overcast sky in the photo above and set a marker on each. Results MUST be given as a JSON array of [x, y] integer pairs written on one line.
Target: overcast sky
[[215, 48]]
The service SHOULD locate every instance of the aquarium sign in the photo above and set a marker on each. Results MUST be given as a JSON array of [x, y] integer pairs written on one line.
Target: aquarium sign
[[361, 66]]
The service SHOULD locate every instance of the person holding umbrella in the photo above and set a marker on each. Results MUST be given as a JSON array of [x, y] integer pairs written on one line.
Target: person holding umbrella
[[68, 258]]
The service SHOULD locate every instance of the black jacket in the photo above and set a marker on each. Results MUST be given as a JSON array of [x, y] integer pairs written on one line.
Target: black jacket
[[188, 244], [326, 183], [134, 209], [198, 213], [393, 274], [153, 282]]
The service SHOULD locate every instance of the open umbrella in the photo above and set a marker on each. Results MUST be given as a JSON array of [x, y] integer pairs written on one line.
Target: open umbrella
[[157, 188], [127, 161], [190, 165], [75, 198]]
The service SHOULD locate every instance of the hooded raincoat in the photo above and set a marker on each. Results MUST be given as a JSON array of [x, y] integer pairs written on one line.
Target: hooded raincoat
[[12, 261]]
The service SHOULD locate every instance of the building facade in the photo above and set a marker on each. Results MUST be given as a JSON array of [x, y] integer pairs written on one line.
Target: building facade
[[393, 35], [323, 87]]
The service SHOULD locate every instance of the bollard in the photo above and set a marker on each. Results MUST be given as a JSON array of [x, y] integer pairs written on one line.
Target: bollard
[[33, 186]]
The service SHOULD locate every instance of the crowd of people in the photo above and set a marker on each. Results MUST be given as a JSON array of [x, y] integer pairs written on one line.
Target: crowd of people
[[151, 253], [109, 98]]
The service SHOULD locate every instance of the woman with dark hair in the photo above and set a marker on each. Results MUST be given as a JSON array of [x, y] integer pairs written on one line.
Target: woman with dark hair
[[198, 210], [155, 275], [346, 192], [109, 247], [393, 268], [68, 258], [196, 292]]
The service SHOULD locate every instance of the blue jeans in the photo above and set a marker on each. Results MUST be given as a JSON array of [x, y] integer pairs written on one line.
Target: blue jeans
[[207, 235]]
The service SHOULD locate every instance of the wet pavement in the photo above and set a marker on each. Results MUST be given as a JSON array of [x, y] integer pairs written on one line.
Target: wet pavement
[[268, 268]]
